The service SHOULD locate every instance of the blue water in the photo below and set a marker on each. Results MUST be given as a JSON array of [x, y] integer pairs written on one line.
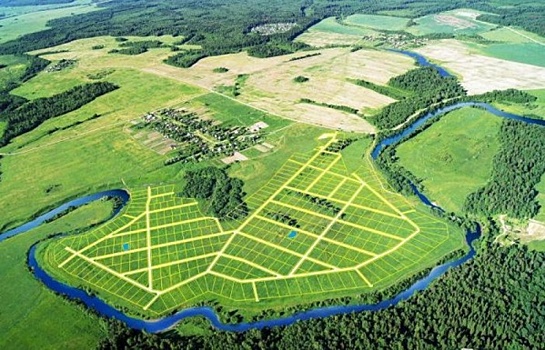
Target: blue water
[[420, 121], [74, 203], [126, 246], [423, 62], [292, 234]]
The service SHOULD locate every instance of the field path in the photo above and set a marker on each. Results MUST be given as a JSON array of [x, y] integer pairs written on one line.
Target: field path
[[526, 36]]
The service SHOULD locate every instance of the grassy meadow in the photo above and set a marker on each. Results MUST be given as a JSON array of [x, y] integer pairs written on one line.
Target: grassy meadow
[[454, 156], [30, 19], [377, 22], [29, 310]]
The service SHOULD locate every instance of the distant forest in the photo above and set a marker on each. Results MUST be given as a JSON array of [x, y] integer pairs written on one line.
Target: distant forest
[[205, 22]]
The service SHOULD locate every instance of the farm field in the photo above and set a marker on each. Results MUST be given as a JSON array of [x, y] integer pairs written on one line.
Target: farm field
[[269, 85], [479, 73], [30, 19], [313, 230], [27, 304], [377, 22], [330, 32], [454, 156], [461, 21]]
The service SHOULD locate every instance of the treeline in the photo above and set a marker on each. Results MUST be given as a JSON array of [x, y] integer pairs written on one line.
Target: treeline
[[494, 301], [517, 169], [33, 113], [384, 90], [427, 87], [223, 194], [342, 108], [33, 2], [509, 95], [531, 18]]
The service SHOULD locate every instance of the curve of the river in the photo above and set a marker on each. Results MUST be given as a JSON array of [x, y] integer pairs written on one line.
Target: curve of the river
[[167, 322]]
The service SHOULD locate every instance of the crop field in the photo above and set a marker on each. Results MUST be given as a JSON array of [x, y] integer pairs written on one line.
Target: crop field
[[479, 73], [330, 32], [313, 230], [460, 21], [377, 22], [454, 156]]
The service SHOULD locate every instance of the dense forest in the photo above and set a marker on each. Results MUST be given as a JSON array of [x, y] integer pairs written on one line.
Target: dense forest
[[31, 114], [517, 169], [33, 2], [494, 301], [530, 18], [425, 86], [223, 194]]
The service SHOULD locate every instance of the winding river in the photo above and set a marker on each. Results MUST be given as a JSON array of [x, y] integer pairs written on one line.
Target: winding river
[[167, 322]]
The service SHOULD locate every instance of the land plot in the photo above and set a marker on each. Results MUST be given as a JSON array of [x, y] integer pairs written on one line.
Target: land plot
[[478, 73], [377, 22], [291, 243]]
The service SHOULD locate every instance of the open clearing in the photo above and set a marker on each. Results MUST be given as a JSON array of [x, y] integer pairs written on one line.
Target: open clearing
[[479, 73], [314, 229], [270, 87], [454, 156], [377, 22]]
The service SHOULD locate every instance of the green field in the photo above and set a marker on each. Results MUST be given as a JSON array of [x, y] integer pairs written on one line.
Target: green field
[[314, 230], [453, 22], [29, 309], [529, 53], [331, 25], [35, 18], [454, 156], [377, 22]]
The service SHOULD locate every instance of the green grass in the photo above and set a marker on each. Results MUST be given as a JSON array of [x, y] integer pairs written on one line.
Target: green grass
[[529, 53], [32, 316], [36, 19], [260, 260], [535, 109], [330, 25], [229, 111], [95, 155], [453, 156], [377, 22], [430, 25], [537, 245]]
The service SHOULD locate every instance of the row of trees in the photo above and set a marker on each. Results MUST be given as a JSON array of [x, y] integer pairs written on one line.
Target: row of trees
[[31, 114], [494, 301], [223, 194], [517, 169]]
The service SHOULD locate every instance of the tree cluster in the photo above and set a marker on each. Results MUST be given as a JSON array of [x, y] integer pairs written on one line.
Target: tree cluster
[[31, 114], [223, 195], [517, 169], [426, 87]]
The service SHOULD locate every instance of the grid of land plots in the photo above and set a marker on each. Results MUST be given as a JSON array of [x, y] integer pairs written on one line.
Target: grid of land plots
[[313, 229]]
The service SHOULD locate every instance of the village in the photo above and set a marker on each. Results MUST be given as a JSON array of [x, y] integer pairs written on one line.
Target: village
[[196, 139]]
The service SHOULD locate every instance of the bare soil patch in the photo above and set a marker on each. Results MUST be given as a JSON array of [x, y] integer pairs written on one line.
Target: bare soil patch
[[237, 156], [478, 73]]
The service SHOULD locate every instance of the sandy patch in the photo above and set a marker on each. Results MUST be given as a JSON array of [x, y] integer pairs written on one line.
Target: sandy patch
[[237, 156], [535, 231], [480, 73]]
